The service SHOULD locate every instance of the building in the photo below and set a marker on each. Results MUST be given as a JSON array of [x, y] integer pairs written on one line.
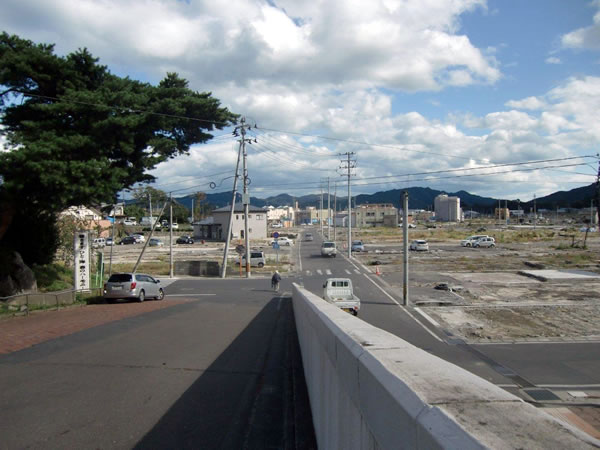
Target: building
[[502, 213], [88, 219], [280, 214], [447, 209], [376, 215], [312, 215], [215, 227]]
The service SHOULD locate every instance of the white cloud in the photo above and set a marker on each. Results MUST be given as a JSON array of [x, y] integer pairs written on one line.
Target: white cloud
[[585, 37], [526, 103], [553, 60]]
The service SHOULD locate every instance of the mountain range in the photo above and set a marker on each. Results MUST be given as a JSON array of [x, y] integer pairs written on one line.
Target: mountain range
[[418, 198]]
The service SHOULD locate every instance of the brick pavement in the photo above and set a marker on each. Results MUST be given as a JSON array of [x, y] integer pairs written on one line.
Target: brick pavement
[[17, 333]]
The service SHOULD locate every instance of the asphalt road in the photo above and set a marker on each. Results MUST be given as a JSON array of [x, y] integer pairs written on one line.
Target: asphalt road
[[515, 367], [222, 370]]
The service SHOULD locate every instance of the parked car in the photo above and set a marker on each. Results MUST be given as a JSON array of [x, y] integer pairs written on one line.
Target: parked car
[[468, 242], [174, 226], [308, 237], [283, 241], [485, 242], [139, 238], [129, 223], [588, 229], [257, 259], [128, 240], [138, 286], [276, 225], [109, 241], [98, 243], [328, 249], [357, 246], [419, 245], [155, 242], [184, 240]]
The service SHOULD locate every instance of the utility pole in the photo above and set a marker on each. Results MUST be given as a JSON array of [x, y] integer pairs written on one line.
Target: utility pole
[[170, 235], [328, 210], [598, 194], [192, 210], [534, 213], [350, 164], [229, 227], [405, 246], [246, 195], [334, 210], [321, 211], [150, 204]]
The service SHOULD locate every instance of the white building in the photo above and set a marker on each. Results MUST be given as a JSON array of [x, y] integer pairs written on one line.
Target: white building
[[447, 209], [215, 227], [280, 213]]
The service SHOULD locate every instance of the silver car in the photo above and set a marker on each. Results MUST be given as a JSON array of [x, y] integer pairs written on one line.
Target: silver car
[[137, 286]]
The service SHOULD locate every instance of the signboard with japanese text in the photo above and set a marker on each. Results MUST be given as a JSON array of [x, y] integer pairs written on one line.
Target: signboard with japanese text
[[82, 260]]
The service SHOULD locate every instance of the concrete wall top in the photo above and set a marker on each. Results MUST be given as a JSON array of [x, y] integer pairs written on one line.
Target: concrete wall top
[[386, 377]]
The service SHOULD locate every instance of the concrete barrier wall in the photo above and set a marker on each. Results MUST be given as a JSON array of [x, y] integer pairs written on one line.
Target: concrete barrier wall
[[372, 390]]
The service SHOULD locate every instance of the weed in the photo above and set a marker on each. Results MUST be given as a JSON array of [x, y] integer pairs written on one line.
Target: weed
[[53, 277]]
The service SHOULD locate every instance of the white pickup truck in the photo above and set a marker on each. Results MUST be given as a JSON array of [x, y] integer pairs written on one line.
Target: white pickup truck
[[339, 292]]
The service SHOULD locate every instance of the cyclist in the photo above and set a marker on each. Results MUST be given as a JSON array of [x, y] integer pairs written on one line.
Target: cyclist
[[275, 279]]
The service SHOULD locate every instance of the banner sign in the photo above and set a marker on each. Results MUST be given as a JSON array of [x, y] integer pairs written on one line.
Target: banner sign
[[82, 260]]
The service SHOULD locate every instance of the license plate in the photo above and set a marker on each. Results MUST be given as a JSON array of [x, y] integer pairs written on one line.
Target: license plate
[[116, 288]]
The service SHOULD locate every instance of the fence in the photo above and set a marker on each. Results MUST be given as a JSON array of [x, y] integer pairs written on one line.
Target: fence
[[23, 303]]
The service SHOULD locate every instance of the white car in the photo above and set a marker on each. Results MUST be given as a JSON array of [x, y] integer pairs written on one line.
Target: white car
[[588, 229], [283, 241], [277, 225], [485, 242], [419, 245], [468, 242], [139, 238]]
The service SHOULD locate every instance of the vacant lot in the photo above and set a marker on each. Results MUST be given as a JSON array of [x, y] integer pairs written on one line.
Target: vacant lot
[[489, 300]]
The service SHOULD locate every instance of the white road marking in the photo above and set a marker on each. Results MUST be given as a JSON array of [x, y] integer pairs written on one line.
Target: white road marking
[[308, 273], [405, 309], [348, 272], [357, 271], [188, 295], [429, 319], [319, 271], [328, 272]]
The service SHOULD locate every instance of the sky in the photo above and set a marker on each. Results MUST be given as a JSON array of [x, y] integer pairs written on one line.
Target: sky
[[447, 94]]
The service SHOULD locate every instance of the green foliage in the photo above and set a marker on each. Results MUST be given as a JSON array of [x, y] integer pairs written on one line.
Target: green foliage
[[135, 210], [53, 277], [77, 134]]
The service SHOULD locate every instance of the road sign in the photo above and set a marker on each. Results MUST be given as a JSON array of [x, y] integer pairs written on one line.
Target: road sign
[[240, 249], [275, 246], [275, 234]]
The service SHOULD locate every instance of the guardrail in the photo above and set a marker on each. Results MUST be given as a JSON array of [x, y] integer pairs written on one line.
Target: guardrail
[[370, 389], [23, 303]]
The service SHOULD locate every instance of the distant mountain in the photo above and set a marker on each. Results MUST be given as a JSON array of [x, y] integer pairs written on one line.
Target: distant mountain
[[418, 198]]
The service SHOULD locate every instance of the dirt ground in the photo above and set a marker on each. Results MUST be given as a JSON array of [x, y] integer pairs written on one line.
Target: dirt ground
[[489, 300]]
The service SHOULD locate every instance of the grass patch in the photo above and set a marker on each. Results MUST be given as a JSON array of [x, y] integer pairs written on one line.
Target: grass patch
[[53, 277]]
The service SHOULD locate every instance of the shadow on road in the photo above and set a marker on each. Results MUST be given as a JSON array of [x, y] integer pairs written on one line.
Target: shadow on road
[[253, 395]]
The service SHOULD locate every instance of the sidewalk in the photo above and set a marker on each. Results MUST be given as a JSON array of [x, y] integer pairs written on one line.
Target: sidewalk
[[18, 333]]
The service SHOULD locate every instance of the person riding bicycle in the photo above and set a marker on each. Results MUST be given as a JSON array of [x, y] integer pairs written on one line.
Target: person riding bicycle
[[275, 279]]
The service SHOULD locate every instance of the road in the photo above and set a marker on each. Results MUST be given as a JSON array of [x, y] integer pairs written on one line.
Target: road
[[220, 368], [536, 368]]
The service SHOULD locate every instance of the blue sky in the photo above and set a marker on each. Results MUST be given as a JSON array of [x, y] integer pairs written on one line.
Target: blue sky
[[410, 86]]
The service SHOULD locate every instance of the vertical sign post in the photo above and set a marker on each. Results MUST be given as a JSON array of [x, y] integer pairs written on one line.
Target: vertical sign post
[[82, 261]]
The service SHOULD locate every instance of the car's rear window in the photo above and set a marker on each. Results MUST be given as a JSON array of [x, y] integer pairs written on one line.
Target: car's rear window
[[328, 244], [119, 278]]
